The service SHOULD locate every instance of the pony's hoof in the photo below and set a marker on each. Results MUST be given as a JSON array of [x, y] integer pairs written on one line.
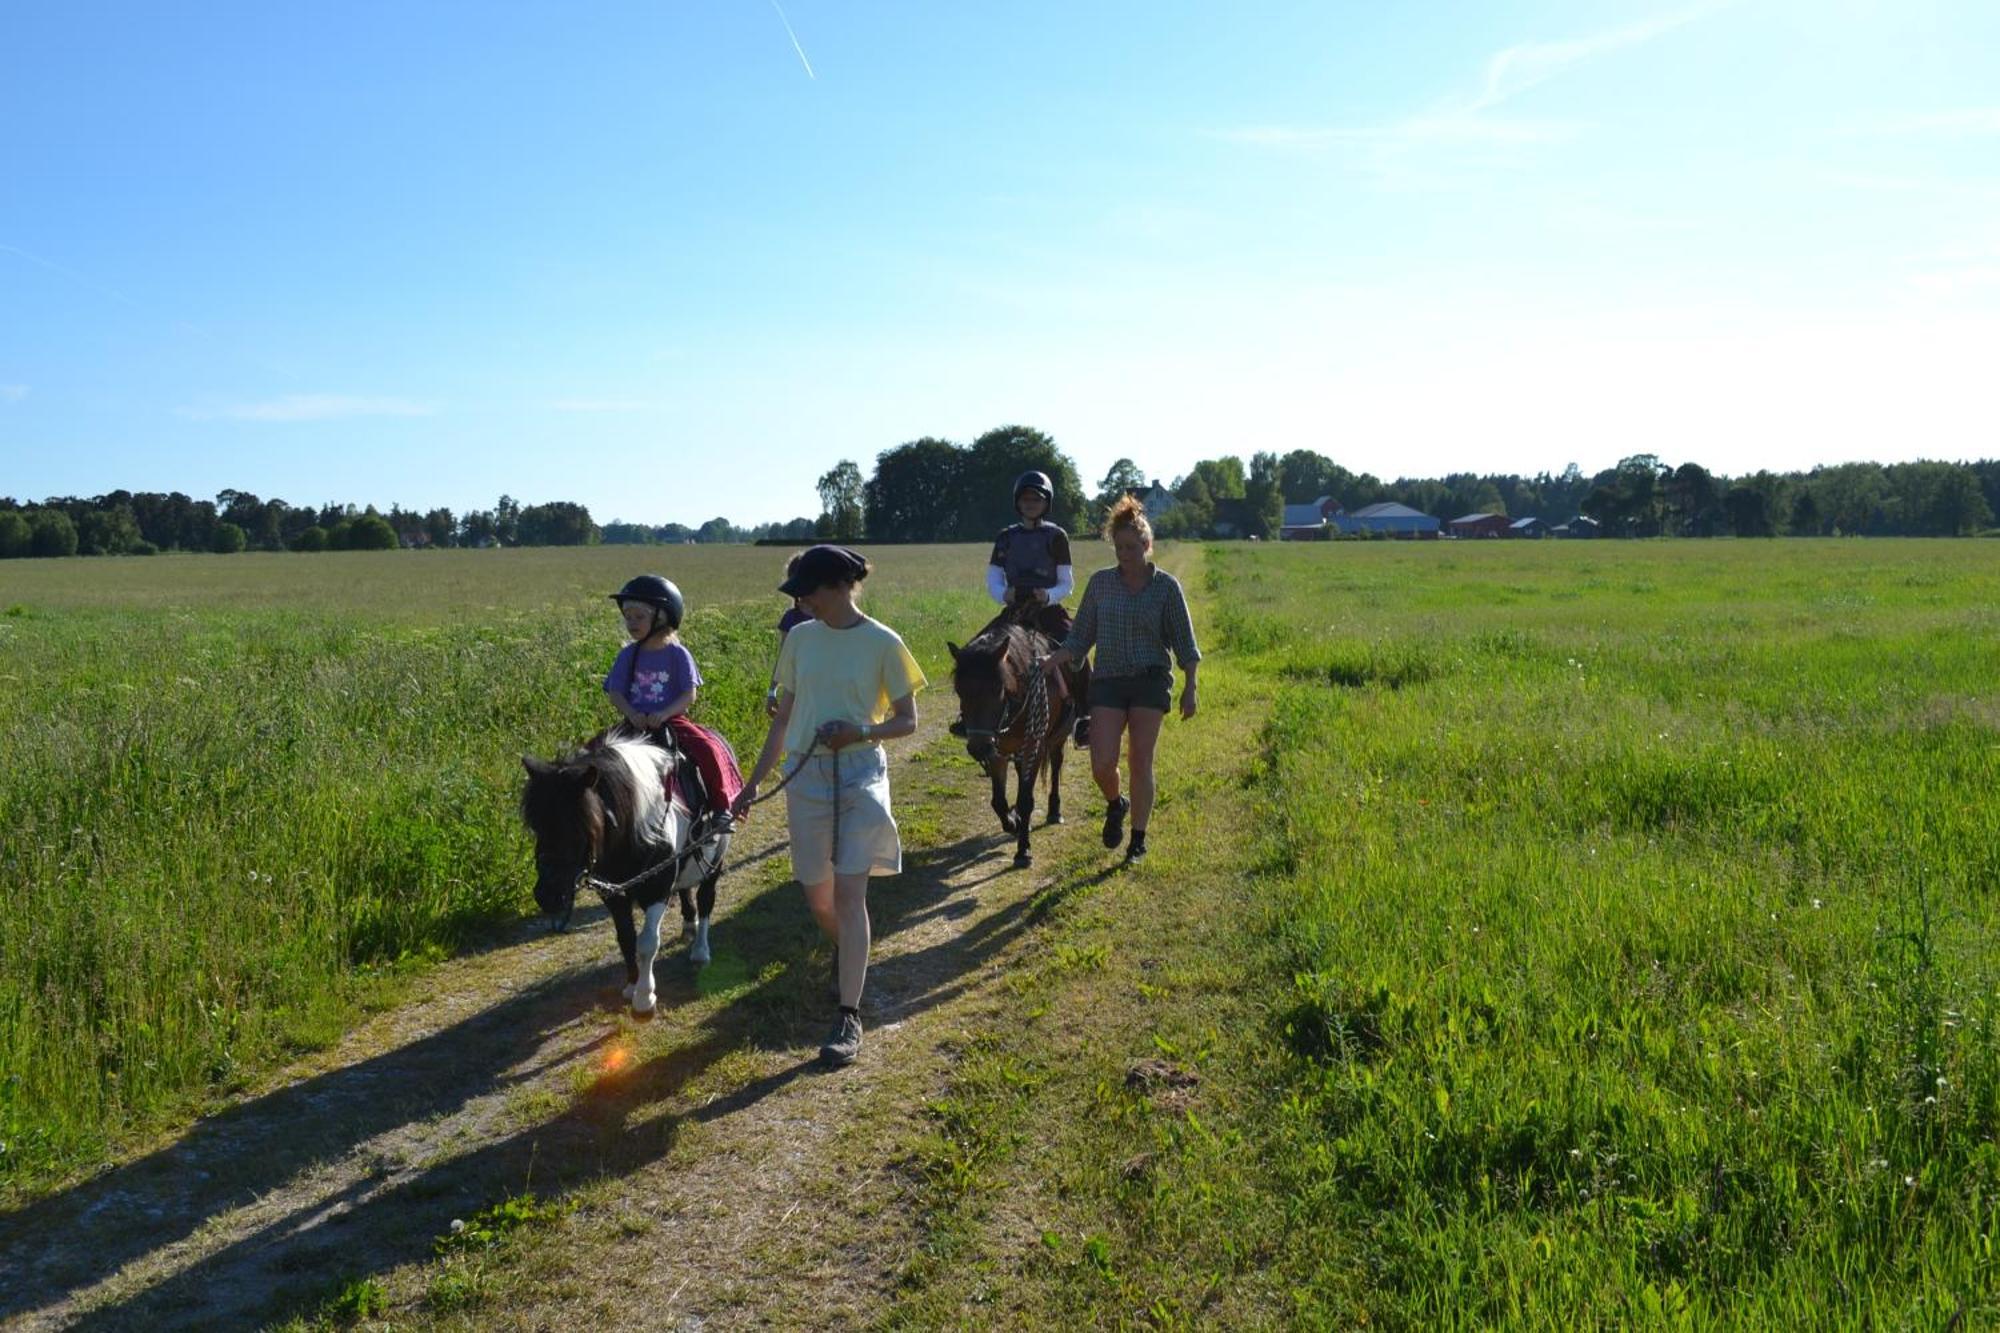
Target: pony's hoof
[[698, 955], [1007, 824], [643, 1015], [1022, 860], [1055, 819]]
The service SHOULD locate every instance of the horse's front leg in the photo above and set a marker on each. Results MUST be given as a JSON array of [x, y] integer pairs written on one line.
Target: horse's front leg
[[687, 912], [998, 775], [1054, 761], [643, 995], [1024, 814], [698, 952], [620, 909]]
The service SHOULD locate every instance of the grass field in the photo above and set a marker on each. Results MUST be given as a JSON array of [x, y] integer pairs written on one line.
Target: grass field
[[1564, 937], [1559, 935], [234, 788]]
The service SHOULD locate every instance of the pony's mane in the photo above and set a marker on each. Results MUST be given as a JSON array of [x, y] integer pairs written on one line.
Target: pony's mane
[[1003, 644], [629, 770]]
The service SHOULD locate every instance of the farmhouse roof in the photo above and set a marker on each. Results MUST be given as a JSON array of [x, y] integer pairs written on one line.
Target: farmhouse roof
[[1387, 509], [1304, 516], [1522, 523], [1474, 518]]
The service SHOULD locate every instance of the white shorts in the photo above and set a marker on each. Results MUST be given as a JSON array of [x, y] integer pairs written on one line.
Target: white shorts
[[868, 843]]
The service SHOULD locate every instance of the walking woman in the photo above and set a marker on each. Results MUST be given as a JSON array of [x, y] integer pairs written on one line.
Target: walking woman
[[846, 683], [1134, 614]]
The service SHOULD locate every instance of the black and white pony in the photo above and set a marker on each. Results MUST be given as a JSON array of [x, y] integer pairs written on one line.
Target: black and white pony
[[614, 817]]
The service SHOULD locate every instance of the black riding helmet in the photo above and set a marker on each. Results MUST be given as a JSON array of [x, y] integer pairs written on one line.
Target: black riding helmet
[[655, 592], [1037, 482]]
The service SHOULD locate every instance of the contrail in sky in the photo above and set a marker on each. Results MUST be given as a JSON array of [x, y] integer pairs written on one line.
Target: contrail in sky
[[795, 40]]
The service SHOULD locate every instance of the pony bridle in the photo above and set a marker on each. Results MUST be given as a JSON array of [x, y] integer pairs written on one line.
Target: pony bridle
[[1033, 705]]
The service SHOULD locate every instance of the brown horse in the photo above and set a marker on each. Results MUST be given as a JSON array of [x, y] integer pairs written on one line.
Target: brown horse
[[1011, 712]]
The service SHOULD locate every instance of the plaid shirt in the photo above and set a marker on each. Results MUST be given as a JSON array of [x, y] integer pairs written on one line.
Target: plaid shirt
[[1133, 630]]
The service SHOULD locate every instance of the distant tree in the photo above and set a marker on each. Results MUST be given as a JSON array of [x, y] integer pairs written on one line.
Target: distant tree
[[440, 527], [1264, 496], [1805, 514], [715, 530], [994, 461], [507, 521], [17, 539], [1224, 477], [840, 500], [227, 539], [312, 539], [1193, 514], [51, 533], [913, 495], [1691, 495], [1309, 475], [1120, 479], [558, 523], [1748, 510], [478, 528], [112, 531], [371, 532]]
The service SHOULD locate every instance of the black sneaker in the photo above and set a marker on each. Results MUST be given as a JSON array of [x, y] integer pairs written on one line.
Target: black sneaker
[[1114, 821], [1136, 849], [844, 1046]]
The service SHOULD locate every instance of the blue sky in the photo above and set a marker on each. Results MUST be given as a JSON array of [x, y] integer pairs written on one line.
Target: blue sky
[[668, 261]]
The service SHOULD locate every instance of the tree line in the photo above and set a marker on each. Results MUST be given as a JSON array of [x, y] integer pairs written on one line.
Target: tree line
[[147, 522], [934, 490]]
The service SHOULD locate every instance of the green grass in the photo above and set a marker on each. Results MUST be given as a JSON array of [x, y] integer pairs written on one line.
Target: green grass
[[244, 797], [1563, 936], [1638, 913]]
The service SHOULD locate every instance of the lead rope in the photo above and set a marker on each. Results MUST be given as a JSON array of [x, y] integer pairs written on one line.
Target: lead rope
[[1028, 759]]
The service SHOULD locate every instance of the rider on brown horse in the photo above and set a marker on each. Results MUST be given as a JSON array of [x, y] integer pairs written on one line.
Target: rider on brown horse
[[1030, 573]]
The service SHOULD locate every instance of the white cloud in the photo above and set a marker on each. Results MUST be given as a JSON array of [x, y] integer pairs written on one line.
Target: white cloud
[[602, 405], [13, 393], [1517, 68], [1462, 123], [311, 407]]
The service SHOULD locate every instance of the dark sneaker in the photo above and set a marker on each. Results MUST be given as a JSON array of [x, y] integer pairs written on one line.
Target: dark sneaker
[[1114, 821], [844, 1046], [1136, 849]]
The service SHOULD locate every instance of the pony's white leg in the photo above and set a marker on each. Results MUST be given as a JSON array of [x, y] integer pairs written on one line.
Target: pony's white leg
[[699, 953], [649, 949]]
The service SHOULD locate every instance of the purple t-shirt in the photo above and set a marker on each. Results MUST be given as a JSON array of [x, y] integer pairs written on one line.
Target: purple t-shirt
[[791, 620], [663, 675]]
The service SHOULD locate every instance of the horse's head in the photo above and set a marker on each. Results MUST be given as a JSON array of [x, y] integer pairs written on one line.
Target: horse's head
[[986, 674], [561, 808]]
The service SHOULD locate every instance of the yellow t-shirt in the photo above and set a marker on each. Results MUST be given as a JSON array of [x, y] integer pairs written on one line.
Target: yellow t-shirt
[[843, 675]]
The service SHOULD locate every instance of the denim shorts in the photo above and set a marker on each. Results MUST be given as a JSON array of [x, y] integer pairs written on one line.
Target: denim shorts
[[1152, 688]]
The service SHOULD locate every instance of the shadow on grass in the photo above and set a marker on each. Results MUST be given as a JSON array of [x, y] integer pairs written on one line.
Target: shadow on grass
[[256, 1154]]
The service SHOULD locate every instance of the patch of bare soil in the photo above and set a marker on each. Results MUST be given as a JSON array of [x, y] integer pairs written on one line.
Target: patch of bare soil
[[719, 1178]]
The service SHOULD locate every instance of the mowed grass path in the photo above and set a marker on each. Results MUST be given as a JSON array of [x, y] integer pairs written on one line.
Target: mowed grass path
[[246, 798]]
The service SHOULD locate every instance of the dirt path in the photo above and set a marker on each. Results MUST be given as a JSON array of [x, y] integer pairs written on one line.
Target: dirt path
[[716, 1177]]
